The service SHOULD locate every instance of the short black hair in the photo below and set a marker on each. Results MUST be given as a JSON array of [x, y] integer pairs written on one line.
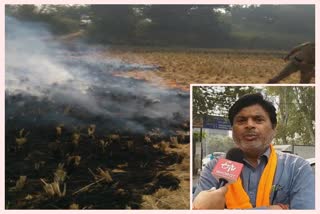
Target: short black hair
[[253, 99]]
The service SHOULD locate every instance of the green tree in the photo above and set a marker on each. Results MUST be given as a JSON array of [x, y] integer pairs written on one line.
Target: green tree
[[22, 12], [186, 24], [217, 100], [272, 26], [113, 23], [296, 114], [60, 19]]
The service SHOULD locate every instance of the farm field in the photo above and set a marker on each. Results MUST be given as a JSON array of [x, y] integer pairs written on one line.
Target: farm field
[[97, 97], [83, 138], [178, 68]]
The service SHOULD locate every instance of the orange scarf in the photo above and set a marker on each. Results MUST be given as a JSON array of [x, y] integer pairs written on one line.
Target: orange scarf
[[237, 198]]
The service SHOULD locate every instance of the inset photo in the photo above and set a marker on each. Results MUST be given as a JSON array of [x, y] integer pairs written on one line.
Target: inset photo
[[253, 147]]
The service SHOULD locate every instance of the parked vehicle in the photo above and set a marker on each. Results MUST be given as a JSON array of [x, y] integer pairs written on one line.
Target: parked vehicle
[[211, 156]]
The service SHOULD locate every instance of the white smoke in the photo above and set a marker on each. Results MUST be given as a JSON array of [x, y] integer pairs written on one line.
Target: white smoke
[[37, 64]]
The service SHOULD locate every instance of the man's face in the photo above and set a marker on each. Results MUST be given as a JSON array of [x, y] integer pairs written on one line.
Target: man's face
[[252, 130]]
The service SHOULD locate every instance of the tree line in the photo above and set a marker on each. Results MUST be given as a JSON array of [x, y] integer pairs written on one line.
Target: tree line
[[219, 26]]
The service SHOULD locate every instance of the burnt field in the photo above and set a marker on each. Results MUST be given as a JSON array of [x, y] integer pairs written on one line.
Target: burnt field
[[102, 164], [101, 167], [78, 137]]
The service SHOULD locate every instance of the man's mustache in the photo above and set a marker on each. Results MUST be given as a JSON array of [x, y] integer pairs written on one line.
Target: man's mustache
[[250, 133]]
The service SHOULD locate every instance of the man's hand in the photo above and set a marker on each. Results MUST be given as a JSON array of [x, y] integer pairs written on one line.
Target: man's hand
[[286, 58], [271, 81], [210, 199]]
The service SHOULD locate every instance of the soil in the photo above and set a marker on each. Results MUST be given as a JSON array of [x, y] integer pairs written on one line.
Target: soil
[[178, 68]]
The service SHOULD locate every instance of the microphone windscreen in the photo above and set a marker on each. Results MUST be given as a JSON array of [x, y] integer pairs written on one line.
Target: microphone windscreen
[[235, 154]]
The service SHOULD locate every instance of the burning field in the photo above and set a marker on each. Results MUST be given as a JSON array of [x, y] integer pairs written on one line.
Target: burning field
[[80, 137]]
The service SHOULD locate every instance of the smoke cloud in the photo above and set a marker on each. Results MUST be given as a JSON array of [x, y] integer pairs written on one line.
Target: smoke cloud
[[39, 66]]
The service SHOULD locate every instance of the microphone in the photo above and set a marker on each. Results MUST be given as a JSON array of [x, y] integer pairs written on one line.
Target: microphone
[[227, 170]]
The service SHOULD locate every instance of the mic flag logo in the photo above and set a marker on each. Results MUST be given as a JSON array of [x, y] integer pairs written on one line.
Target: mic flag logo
[[227, 169], [228, 166]]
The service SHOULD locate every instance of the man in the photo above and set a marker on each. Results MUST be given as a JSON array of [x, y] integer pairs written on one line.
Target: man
[[269, 179], [302, 58]]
